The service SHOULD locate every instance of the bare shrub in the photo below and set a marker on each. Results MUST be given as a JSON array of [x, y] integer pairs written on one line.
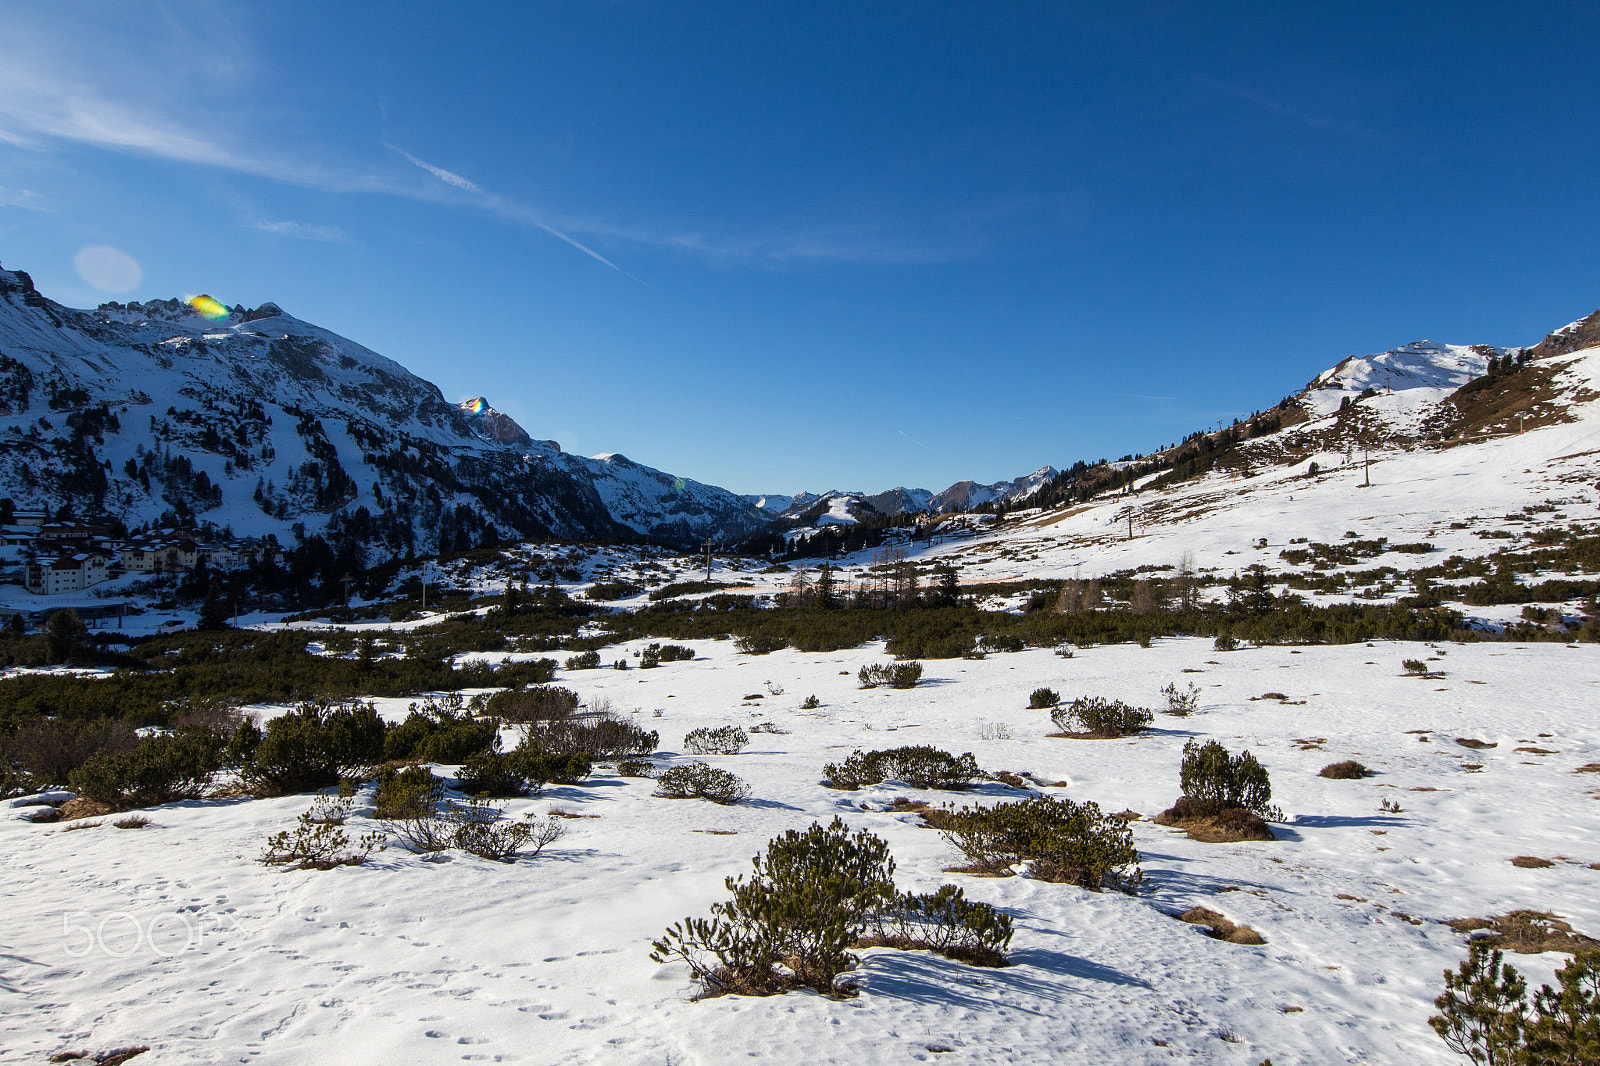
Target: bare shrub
[[1182, 702], [1219, 927]]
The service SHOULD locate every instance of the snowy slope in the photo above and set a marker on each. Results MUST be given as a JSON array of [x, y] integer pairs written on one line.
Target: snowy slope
[[173, 936], [663, 507]]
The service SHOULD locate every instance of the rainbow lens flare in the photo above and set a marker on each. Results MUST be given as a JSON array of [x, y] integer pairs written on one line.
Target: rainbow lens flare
[[207, 307], [478, 406]]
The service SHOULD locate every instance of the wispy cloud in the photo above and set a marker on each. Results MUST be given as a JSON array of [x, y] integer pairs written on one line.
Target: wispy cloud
[[1277, 107], [499, 205], [304, 231], [22, 198]]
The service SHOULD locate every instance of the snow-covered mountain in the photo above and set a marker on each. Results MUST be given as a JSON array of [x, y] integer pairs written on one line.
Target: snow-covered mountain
[[965, 495], [255, 421]]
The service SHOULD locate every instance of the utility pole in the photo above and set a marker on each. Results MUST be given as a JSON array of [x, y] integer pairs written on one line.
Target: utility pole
[[707, 547], [1367, 471], [424, 586], [1130, 523]]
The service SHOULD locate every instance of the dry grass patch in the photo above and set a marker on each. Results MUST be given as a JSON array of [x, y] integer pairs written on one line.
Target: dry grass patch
[[133, 821], [1530, 862], [1348, 770], [1476, 745], [1588, 768], [81, 825], [563, 812], [82, 808], [1221, 827], [1528, 932], [1538, 751], [1219, 927]]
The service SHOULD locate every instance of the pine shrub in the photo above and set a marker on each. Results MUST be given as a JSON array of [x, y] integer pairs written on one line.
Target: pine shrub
[[1041, 698], [919, 767], [1214, 780], [314, 745], [893, 675], [1100, 717], [698, 780], [496, 774], [318, 845], [807, 902], [599, 736], [1063, 841], [943, 922], [440, 731], [723, 740], [589, 660], [161, 769], [1182, 702], [1348, 770], [409, 793], [535, 705], [635, 768], [1485, 1013]]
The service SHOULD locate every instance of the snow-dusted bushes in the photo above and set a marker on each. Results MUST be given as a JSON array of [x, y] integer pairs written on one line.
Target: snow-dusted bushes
[[814, 895], [1099, 717], [919, 767], [1063, 841], [723, 740], [700, 780], [894, 675]]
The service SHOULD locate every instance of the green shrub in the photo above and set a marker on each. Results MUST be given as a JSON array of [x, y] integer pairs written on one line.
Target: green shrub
[[1067, 842], [441, 731], [1182, 702], [496, 774], [318, 845], [1225, 642], [1415, 667], [589, 660], [760, 643], [540, 766], [601, 735], [1101, 717], [539, 704], [635, 768], [314, 745], [161, 769], [809, 899], [613, 590], [1485, 1014], [723, 740], [919, 767], [700, 780], [409, 793], [1043, 697], [944, 922], [894, 675], [810, 703], [1214, 780]]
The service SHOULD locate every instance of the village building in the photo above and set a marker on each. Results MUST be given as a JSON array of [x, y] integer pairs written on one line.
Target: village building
[[67, 572]]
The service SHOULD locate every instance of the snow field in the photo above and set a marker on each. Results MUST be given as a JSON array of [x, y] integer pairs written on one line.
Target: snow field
[[174, 936]]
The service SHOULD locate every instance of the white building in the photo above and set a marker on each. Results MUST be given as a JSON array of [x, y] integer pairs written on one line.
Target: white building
[[67, 572]]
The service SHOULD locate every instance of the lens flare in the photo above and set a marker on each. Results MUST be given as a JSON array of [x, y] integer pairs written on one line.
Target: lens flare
[[207, 307], [479, 406]]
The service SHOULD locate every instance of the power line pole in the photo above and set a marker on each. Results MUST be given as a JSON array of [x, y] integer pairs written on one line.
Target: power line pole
[[707, 547]]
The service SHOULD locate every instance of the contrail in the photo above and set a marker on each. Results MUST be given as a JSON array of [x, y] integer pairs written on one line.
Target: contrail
[[503, 207]]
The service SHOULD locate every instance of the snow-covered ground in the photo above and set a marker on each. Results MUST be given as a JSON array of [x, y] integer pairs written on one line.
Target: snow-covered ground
[[173, 936]]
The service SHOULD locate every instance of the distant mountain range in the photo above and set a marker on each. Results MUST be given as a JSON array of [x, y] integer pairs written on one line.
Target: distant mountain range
[[253, 422]]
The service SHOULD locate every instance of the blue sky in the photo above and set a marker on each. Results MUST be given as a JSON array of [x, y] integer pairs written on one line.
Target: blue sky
[[807, 246]]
